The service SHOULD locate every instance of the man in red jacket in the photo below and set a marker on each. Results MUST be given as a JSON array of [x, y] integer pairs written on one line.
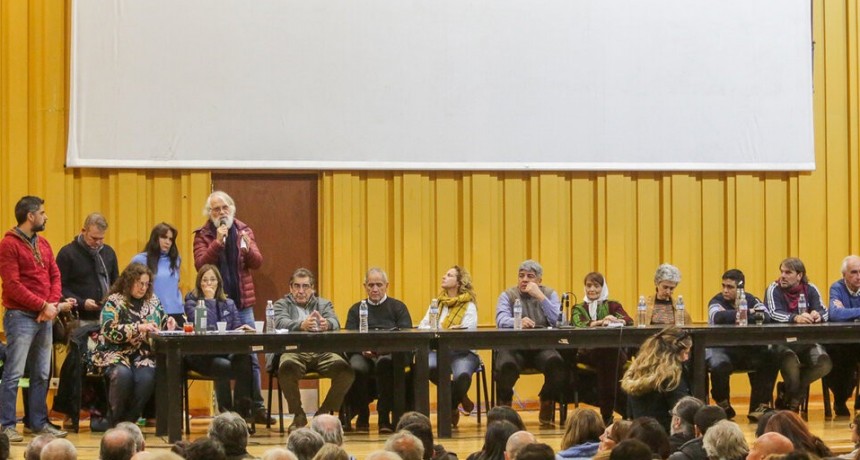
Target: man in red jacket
[[229, 244], [31, 295]]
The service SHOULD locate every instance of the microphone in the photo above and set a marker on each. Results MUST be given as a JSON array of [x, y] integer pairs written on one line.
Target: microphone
[[223, 223]]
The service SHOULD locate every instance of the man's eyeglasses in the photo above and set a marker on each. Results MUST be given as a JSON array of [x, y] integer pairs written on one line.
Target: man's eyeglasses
[[301, 287]]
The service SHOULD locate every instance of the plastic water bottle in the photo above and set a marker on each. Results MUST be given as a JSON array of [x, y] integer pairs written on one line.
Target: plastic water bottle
[[200, 319], [434, 315], [640, 312], [518, 314], [679, 312], [743, 311], [564, 311], [801, 305], [362, 317], [270, 317]]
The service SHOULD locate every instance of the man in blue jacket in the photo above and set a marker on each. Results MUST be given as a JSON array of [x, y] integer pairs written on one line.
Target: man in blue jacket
[[844, 307]]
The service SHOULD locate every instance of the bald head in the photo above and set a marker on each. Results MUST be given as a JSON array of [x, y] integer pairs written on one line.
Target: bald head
[[329, 427], [768, 444], [516, 442], [59, 449], [34, 449], [117, 444]]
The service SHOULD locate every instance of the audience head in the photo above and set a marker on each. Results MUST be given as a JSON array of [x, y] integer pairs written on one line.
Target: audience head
[[762, 422], [583, 425], [649, 431], [631, 449], [411, 417], [179, 447], [328, 426], [657, 366], [724, 440], [230, 429], [498, 413], [278, 453], [5, 448], [34, 448], [683, 415], [516, 442], [205, 449], [305, 443], [383, 455], [769, 444], [59, 449], [496, 439], [425, 434], [162, 456], [117, 444], [144, 455], [406, 445], [790, 425], [136, 434], [613, 434], [707, 416], [331, 452], [536, 451]]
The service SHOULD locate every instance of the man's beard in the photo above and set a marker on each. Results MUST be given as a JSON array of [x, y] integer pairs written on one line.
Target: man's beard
[[38, 228], [227, 220]]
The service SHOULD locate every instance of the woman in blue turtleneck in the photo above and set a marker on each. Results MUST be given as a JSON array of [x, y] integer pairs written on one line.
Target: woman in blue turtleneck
[[162, 258]]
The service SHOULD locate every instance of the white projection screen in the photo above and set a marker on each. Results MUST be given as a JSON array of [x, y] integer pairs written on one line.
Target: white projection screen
[[442, 84]]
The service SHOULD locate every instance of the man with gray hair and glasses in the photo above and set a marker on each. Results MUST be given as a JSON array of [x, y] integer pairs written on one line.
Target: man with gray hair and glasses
[[540, 308], [229, 244]]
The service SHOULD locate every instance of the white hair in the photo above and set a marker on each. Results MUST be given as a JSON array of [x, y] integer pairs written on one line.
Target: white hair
[[667, 272], [846, 261], [376, 270], [725, 441], [207, 208]]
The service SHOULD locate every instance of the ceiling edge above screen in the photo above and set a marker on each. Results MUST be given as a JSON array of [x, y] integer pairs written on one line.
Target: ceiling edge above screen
[[679, 85]]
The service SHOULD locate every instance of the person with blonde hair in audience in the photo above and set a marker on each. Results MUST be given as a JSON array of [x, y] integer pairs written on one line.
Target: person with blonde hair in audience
[[725, 441], [582, 433], [771, 443], [789, 424], [331, 452], [456, 310], [661, 307], [655, 381], [597, 310]]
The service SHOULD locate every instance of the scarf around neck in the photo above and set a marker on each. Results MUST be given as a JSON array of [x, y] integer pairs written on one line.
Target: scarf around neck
[[593, 304], [101, 268], [792, 295], [457, 307]]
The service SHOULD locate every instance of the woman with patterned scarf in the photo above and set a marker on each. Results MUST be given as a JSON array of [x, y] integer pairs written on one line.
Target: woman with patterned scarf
[[457, 310], [597, 310]]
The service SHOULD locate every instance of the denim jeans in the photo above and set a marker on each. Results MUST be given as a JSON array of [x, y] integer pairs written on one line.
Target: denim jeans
[[247, 317], [463, 365], [29, 342]]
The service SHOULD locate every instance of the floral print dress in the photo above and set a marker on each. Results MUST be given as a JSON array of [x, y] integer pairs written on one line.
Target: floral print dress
[[122, 342]]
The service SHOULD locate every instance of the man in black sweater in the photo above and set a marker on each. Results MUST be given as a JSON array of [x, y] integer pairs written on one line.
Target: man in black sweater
[[383, 313]]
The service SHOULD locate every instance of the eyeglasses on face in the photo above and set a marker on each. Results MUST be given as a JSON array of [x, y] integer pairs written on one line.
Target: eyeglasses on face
[[301, 287]]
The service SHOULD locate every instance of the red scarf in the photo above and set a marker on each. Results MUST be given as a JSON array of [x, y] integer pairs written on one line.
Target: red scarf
[[792, 295]]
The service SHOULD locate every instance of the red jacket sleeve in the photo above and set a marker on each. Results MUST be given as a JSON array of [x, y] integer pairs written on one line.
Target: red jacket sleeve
[[253, 258], [206, 250], [13, 289]]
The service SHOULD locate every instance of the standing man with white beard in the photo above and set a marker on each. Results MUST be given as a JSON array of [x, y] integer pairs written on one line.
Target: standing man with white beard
[[229, 244]]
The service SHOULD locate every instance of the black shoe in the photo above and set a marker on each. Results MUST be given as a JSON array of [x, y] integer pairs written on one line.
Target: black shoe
[[727, 407], [758, 412], [261, 417], [841, 410], [547, 411], [385, 428]]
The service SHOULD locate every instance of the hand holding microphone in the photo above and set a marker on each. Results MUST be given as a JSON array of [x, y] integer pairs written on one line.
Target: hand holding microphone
[[222, 231]]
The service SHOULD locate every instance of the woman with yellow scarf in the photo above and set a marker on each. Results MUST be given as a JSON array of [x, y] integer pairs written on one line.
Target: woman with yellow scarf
[[457, 310]]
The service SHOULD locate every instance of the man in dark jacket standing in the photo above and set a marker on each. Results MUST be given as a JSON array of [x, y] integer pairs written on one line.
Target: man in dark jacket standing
[[88, 268]]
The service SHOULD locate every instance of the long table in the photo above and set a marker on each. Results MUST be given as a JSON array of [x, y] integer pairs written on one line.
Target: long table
[[704, 336], [170, 349]]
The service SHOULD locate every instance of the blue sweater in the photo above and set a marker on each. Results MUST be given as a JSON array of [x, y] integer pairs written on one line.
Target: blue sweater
[[850, 309], [166, 284], [585, 450]]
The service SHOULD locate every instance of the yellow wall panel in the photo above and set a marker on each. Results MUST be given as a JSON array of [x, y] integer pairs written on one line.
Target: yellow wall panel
[[416, 224]]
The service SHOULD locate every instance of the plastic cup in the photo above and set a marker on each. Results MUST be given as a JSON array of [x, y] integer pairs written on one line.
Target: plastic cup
[[222, 326], [259, 326], [188, 327]]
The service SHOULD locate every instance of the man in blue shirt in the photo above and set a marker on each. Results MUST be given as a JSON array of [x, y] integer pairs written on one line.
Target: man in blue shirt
[[844, 307]]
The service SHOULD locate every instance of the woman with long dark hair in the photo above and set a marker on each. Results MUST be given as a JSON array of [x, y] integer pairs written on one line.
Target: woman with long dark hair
[[789, 424], [162, 257]]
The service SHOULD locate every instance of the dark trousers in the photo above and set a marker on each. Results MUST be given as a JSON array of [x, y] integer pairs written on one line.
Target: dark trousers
[[762, 363], [224, 368], [360, 395], [842, 379], [609, 364], [129, 389], [509, 364], [801, 365]]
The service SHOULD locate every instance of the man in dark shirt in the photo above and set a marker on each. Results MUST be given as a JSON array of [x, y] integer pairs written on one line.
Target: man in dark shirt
[[88, 268], [383, 313], [759, 361], [800, 365]]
